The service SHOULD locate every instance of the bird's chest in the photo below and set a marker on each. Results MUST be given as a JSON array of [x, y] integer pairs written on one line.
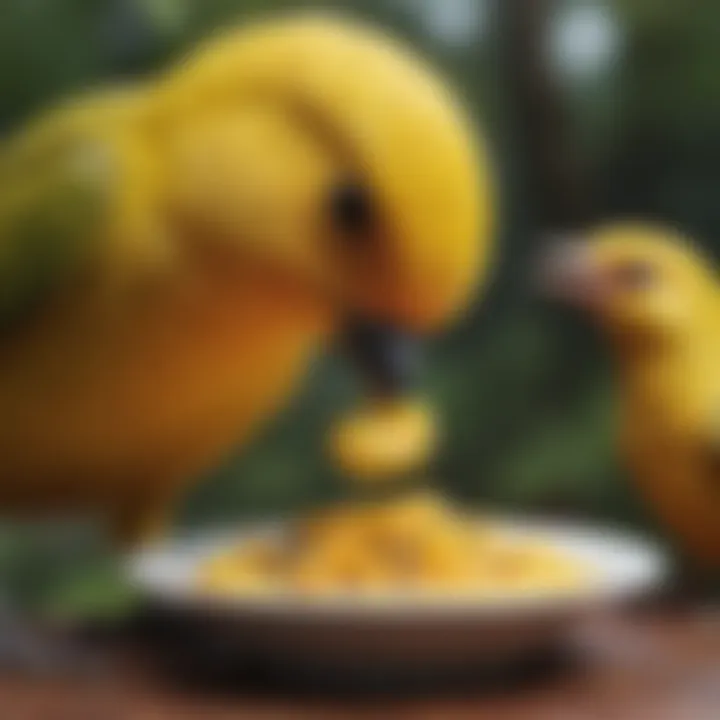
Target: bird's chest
[[660, 426], [669, 402], [668, 417], [674, 460], [178, 378]]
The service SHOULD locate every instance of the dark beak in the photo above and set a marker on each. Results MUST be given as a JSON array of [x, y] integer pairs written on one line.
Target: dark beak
[[388, 359]]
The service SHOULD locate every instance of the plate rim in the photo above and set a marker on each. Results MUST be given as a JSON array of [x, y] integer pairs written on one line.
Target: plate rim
[[652, 571]]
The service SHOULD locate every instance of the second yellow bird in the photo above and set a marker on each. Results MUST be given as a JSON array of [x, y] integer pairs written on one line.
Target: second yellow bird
[[657, 298]]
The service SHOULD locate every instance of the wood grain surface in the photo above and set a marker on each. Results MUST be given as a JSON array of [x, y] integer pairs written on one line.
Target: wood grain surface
[[649, 666]]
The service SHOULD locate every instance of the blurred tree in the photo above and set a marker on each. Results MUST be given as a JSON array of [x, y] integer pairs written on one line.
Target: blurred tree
[[666, 162]]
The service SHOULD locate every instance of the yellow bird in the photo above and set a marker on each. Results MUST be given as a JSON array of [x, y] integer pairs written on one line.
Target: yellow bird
[[172, 255], [657, 298]]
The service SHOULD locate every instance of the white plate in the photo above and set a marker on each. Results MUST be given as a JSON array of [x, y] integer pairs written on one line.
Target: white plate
[[404, 629]]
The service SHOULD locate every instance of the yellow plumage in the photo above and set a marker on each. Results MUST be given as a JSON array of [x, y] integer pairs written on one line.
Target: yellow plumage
[[658, 299], [206, 271]]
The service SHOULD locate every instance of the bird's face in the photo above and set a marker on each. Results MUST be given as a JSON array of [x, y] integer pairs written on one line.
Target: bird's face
[[409, 212], [639, 282], [378, 192]]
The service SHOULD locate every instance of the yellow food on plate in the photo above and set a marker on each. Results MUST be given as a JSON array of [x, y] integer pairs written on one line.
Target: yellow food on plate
[[415, 543], [384, 439]]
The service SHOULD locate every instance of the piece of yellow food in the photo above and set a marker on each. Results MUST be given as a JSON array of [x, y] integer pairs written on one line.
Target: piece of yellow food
[[385, 439], [415, 543]]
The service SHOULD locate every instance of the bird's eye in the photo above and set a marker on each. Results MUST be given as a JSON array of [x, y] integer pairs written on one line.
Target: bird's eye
[[634, 275], [351, 210]]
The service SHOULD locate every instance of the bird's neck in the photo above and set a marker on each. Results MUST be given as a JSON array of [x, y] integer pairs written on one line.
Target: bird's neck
[[662, 368]]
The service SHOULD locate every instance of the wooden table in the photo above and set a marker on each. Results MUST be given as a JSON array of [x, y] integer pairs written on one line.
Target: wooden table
[[647, 667]]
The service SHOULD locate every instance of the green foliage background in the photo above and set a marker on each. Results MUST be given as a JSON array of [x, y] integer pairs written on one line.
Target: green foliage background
[[527, 394]]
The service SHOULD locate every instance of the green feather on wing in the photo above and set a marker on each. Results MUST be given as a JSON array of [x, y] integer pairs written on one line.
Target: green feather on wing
[[53, 206]]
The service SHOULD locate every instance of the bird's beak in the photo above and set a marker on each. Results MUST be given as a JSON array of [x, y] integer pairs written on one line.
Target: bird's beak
[[568, 272], [389, 359], [392, 434]]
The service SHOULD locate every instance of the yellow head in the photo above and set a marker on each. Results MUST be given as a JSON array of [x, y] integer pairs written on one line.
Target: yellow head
[[327, 150], [644, 284]]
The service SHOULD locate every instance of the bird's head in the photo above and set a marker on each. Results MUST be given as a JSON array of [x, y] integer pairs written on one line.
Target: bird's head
[[642, 283], [338, 157]]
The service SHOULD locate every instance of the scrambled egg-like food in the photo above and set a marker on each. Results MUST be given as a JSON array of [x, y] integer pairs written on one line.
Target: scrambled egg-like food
[[416, 543]]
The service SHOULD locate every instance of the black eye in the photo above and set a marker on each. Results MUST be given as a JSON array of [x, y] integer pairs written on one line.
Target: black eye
[[634, 275], [351, 210]]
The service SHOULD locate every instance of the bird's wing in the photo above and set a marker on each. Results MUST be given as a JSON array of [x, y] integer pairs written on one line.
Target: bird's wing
[[55, 192], [47, 230]]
